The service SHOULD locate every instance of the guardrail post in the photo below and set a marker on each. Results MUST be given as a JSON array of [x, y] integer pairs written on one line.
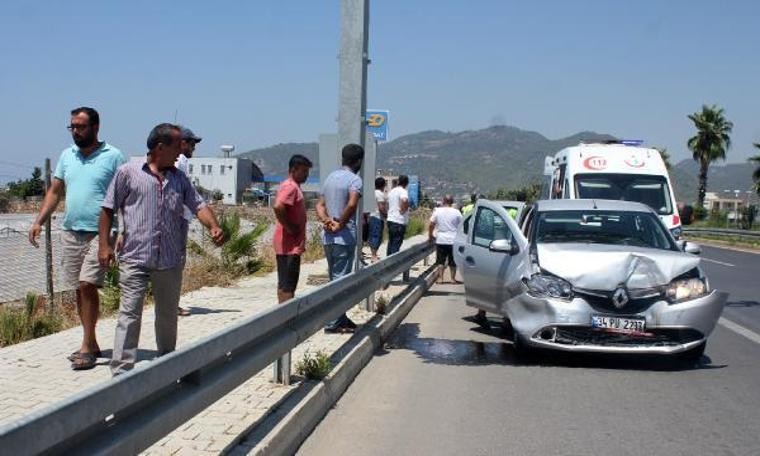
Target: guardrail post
[[369, 303], [405, 276], [282, 370]]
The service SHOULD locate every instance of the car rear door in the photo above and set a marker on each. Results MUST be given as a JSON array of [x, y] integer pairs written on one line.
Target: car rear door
[[491, 276]]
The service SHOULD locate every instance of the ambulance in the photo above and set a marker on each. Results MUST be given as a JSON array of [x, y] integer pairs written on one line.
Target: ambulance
[[614, 170]]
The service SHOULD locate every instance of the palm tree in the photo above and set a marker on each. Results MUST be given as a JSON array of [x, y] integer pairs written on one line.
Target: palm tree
[[710, 143], [756, 173]]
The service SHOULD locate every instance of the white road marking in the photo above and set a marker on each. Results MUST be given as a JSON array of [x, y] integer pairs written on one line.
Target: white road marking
[[739, 329], [722, 263]]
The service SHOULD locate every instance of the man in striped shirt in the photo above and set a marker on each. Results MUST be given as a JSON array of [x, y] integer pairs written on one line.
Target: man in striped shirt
[[152, 197]]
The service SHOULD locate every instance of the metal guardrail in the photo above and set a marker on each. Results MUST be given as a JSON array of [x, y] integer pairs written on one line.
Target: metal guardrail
[[128, 414], [722, 232]]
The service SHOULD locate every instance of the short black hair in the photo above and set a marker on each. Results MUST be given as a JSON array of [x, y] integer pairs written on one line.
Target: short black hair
[[92, 114], [161, 133], [352, 154], [379, 183], [299, 160], [403, 180]]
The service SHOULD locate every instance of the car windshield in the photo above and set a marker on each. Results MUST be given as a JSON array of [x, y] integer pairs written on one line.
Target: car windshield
[[640, 229], [650, 190]]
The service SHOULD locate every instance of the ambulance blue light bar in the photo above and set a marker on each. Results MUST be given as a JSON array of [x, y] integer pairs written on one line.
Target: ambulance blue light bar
[[626, 142]]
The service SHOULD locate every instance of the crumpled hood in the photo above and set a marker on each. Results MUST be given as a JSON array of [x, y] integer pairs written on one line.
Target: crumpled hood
[[605, 267]]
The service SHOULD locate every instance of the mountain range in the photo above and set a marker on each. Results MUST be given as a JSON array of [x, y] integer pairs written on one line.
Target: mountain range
[[490, 158]]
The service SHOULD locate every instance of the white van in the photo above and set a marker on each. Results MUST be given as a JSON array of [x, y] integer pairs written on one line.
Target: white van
[[620, 170]]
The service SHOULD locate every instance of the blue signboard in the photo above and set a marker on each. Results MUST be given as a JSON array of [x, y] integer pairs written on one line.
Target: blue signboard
[[377, 124], [414, 191]]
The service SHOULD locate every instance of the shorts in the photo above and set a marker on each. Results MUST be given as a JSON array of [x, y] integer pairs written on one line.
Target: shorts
[[79, 259], [444, 253], [288, 269]]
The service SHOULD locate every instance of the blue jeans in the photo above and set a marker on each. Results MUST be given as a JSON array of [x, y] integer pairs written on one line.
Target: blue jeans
[[395, 237], [375, 232], [340, 262]]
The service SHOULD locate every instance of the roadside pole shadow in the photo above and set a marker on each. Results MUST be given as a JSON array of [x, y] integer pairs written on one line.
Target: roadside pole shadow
[[206, 310]]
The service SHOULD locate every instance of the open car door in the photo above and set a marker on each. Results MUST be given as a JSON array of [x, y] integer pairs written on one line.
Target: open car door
[[492, 256]]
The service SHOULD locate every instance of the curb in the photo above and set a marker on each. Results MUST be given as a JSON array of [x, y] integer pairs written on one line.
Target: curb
[[283, 431]]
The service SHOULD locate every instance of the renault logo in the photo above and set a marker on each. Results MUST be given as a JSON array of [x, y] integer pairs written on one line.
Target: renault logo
[[620, 298]]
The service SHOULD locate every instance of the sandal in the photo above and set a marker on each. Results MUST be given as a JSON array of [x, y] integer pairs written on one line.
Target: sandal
[[84, 361], [73, 355]]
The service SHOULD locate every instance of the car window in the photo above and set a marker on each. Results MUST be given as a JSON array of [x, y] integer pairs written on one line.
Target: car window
[[650, 190], [638, 229], [489, 226]]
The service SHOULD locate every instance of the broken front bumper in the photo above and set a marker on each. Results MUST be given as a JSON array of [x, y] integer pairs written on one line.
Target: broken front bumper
[[566, 325]]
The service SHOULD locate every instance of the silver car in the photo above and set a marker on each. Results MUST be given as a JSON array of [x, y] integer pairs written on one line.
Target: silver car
[[588, 275]]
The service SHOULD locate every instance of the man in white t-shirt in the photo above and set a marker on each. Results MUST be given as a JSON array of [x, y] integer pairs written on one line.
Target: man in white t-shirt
[[443, 230], [398, 215], [377, 218], [186, 147]]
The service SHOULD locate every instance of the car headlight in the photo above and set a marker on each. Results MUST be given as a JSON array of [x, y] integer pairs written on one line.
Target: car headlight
[[549, 286], [685, 289]]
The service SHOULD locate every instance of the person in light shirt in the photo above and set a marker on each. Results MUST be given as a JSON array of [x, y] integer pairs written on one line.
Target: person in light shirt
[[187, 148], [398, 215], [443, 230]]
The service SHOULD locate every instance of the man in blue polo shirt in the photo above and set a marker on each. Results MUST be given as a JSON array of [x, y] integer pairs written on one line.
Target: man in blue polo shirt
[[82, 174]]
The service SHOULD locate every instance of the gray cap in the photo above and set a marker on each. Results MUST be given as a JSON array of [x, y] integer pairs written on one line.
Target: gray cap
[[188, 134]]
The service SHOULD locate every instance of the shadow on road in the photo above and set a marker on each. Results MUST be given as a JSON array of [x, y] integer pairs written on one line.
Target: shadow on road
[[475, 353], [743, 304]]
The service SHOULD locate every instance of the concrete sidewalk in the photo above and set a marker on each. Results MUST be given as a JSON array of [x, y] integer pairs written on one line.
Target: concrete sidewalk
[[36, 373]]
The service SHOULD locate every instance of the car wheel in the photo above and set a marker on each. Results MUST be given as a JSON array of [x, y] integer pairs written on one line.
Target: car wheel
[[522, 349], [694, 355], [507, 330]]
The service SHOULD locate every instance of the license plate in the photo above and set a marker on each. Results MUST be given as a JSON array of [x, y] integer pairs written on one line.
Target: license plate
[[621, 324]]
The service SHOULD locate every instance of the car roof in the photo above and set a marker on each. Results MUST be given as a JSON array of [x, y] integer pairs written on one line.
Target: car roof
[[591, 204]]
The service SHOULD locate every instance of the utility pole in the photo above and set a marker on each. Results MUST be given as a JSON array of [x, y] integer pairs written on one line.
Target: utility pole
[[352, 94]]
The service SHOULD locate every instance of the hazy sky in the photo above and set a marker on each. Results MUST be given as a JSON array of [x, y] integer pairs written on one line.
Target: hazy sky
[[256, 73]]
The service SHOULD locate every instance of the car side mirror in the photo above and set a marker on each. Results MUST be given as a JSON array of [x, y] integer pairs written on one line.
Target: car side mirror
[[689, 247], [504, 246]]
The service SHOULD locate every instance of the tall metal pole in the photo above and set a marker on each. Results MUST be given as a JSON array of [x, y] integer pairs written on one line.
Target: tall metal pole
[[48, 245], [352, 96]]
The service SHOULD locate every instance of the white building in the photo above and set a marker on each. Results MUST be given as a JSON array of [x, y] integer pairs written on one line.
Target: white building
[[231, 176]]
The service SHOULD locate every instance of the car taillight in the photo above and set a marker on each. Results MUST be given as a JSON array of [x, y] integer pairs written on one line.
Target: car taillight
[[676, 220]]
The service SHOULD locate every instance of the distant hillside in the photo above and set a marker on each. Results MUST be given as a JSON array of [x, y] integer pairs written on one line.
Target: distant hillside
[[487, 159], [479, 160], [731, 176]]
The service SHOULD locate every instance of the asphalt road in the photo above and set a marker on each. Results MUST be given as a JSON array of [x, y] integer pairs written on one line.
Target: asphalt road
[[444, 387]]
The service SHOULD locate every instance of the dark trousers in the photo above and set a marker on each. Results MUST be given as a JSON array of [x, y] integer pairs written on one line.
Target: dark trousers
[[395, 237]]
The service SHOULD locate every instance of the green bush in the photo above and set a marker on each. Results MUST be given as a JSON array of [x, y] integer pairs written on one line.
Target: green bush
[[18, 325], [314, 367], [110, 294], [700, 213], [418, 223], [718, 219]]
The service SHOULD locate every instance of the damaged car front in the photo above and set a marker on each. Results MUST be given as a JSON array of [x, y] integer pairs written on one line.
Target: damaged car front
[[597, 276]]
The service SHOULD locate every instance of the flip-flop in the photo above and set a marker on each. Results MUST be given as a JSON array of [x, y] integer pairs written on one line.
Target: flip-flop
[[84, 361], [73, 355]]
